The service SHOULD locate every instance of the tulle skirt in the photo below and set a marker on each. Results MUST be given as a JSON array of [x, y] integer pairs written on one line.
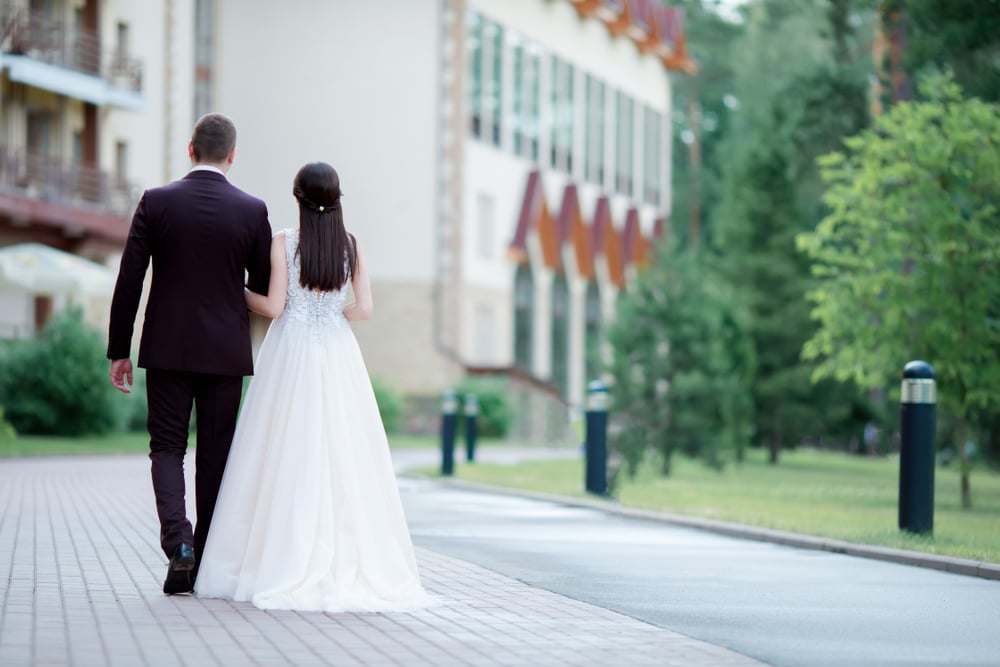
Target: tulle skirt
[[309, 516]]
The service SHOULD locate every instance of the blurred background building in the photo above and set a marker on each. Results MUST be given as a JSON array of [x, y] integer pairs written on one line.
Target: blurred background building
[[95, 104], [505, 163]]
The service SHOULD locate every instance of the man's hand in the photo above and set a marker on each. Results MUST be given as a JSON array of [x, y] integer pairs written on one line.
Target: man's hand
[[121, 372]]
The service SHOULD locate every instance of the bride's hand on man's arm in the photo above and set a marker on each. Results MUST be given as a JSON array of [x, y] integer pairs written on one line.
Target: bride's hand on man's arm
[[362, 306], [273, 303]]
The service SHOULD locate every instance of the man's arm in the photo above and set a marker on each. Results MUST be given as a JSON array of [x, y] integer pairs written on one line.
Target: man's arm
[[125, 303], [259, 261], [277, 290], [128, 288]]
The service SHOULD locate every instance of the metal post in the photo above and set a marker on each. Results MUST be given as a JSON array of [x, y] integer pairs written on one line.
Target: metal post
[[449, 406], [471, 412], [918, 406], [596, 440]]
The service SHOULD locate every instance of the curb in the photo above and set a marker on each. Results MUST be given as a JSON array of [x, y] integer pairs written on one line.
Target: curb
[[960, 566]]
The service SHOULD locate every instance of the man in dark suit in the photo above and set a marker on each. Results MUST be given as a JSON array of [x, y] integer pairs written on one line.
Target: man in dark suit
[[204, 237]]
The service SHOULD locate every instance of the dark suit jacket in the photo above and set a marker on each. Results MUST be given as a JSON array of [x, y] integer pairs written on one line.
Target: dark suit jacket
[[202, 234]]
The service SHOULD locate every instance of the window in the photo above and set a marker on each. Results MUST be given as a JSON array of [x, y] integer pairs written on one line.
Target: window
[[121, 165], [494, 89], [486, 46], [524, 118], [486, 327], [561, 88], [624, 113], [560, 333], [475, 26], [593, 147], [485, 226], [524, 304], [121, 45], [652, 147], [39, 132]]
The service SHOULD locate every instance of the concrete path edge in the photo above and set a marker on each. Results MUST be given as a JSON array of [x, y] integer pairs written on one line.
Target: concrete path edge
[[961, 566]]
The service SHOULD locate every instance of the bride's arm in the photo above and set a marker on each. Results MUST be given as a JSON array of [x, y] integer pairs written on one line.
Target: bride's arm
[[361, 307], [272, 304]]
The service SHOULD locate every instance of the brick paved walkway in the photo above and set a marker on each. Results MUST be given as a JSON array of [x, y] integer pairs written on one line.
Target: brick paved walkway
[[81, 571]]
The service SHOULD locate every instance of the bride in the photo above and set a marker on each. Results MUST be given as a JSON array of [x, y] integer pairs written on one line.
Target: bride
[[308, 515]]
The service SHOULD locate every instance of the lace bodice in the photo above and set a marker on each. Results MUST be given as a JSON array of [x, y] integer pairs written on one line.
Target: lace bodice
[[317, 309]]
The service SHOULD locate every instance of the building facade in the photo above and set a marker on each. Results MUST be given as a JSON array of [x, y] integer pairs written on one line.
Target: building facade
[[95, 105], [505, 163]]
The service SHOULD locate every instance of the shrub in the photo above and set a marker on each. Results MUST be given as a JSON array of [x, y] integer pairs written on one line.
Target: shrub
[[7, 431], [495, 414], [390, 405], [57, 383]]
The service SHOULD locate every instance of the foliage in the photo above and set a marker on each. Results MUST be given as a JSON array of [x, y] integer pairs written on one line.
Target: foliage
[[495, 414], [681, 364], [703, 106], [908, 260], [57, 383], [390, 405], [959, 35], [799, 93], [7, 431]]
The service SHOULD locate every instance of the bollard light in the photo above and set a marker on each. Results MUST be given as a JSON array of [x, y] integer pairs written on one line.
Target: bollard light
[[449, 408], [596, 439], [471, 413], [918, 406]]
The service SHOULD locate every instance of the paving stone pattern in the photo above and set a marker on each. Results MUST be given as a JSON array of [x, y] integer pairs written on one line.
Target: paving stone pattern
[[81, 574]]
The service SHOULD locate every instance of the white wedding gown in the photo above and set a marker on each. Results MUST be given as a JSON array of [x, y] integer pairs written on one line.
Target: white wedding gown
[[309, 515]]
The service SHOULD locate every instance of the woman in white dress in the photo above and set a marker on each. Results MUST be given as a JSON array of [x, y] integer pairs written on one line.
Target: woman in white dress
[[308, 515]]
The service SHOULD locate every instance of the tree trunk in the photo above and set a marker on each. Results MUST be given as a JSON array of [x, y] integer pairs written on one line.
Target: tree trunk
[[963, 459], [694, 162], [775, 446]]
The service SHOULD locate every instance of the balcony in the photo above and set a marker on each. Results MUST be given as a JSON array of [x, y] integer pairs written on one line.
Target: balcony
[[46, 53], [77, 199]]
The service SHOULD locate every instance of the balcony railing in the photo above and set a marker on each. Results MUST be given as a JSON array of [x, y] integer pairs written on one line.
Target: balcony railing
[[38, 36], [49, 178]]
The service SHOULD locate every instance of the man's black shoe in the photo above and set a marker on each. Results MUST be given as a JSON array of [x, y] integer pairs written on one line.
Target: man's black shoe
[[182, 563], [177, 581]]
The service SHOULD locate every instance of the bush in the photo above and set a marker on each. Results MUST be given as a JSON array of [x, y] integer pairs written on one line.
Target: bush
[[57, 383], [7, 431], [495, 414], [390, 405]]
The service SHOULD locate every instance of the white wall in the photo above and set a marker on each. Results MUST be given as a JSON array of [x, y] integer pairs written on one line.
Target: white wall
[[141, 130], [351, 84]]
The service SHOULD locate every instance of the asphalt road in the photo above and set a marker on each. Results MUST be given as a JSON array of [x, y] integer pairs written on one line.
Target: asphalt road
[[785, 606]]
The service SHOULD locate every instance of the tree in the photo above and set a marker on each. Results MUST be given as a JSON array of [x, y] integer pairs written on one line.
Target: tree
[[681, 364], [701, 119], [908, 260], [960, 35], [801, 85]]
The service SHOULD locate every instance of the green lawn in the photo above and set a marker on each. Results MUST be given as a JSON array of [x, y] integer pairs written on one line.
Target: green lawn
[[114, 443], [813, 492]]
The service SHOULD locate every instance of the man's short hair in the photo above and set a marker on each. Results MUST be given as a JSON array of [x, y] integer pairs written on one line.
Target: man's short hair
[[214, 138]]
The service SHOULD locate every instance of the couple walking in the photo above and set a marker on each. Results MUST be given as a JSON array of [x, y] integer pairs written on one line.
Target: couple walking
[[297, 504]]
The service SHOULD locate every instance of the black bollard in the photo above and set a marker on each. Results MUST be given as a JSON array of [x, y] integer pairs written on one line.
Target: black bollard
[[596, 438], [918, 406], [449, 406], [471, 412]]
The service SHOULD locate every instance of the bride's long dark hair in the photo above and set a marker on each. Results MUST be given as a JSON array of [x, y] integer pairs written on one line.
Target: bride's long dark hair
[[328, 255]]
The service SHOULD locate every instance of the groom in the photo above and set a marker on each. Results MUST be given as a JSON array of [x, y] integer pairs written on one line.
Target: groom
[[204, 235]]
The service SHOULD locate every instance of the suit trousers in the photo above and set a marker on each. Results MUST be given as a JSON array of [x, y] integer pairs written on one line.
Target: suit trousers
[[216, 400]]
